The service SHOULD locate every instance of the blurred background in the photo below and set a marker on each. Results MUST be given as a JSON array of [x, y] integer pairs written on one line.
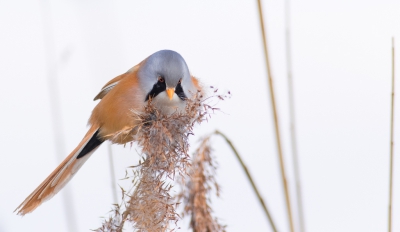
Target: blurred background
[[56, 55]]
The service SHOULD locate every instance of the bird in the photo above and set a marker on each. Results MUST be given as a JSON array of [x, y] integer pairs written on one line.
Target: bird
[[163, 77]]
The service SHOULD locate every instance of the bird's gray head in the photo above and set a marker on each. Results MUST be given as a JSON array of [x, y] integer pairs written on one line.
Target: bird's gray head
[[165, 73]]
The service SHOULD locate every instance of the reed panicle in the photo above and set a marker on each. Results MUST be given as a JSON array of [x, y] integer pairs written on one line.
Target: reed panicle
[[164, 141], [114, 222], [197, 191]]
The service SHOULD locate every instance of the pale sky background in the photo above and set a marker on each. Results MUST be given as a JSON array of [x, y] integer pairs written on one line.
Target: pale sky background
[[342, 73]]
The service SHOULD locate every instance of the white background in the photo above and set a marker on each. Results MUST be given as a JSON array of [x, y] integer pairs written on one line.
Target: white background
[[342, 74]]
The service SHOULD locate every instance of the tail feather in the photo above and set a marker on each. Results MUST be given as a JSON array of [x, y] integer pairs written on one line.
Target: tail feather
[[60, 176]]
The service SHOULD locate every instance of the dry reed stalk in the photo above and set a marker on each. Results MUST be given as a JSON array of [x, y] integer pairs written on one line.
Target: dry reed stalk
[[197, 192], [391, 144], [250, 178], [293, 135], [149, 206], [112, 173], [275, 114], [55, 107]]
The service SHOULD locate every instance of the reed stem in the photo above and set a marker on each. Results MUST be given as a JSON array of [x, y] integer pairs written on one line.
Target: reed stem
[[293, 135], [391, 144], [253, 185], [112, 173], [276, 121], [55, 108]]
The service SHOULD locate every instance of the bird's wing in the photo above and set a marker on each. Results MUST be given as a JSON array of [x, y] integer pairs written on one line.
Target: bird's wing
[[107, 87], [111, 84]]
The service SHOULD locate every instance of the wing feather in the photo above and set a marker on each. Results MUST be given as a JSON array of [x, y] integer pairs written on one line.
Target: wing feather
[[114, 82]]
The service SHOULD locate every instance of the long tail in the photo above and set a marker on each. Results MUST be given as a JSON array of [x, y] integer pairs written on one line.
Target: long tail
[[63, 173]]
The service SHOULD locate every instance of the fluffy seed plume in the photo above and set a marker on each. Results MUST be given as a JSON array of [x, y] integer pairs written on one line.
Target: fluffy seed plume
[[164, 142], [197, 191], [114, 222]]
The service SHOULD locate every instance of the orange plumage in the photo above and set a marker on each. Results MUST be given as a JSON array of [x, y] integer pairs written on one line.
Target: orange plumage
[[126, 92]]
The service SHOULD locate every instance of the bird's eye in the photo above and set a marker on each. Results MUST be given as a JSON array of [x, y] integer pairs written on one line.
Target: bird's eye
[[160, 79], [180, 81]]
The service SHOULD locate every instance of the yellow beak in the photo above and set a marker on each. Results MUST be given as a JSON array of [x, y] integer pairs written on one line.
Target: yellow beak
[[170, 93]]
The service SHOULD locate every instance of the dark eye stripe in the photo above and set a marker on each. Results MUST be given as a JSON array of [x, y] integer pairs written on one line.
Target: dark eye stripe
[[157, 88], [179, 92]]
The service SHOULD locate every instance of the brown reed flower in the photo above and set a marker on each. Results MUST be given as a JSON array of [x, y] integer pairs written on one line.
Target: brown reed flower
[[113, 222], [164, 139], [198, 190]]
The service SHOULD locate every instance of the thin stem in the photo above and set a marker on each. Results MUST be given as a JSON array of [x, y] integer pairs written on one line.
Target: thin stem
[[274, 109], [391, 145], [112, 173], [264, 206], [50, 54], [293, 134]]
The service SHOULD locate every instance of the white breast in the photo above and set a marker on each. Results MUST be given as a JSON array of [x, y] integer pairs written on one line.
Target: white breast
[[167, 106]]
